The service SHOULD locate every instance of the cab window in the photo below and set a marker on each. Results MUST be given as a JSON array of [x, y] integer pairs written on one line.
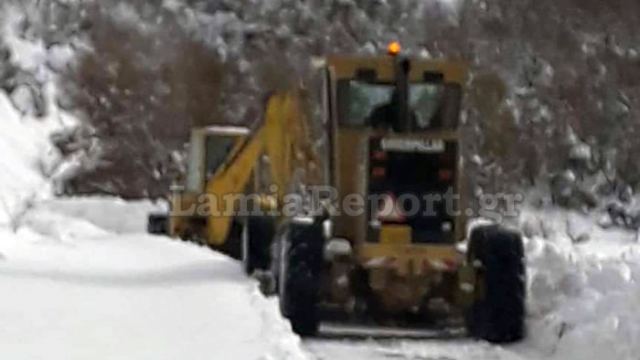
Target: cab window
[[431, 105], [217, 150], [206, 155]]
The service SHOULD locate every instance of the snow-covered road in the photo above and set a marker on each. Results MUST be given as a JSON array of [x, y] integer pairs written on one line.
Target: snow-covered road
[[416, 349], [79, 285], [81, 280], [158, 300], [143, 297], [74, 290]]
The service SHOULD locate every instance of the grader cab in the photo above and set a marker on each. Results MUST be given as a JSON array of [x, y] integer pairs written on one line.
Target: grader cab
[[357, 210]]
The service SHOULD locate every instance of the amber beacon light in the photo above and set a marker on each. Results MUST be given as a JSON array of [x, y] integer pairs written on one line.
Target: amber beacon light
[[394, 48]]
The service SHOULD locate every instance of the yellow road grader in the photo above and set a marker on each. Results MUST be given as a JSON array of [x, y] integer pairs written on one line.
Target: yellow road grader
[[341, 196]]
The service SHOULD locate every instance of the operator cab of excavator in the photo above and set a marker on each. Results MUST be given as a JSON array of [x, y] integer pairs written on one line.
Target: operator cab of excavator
[[209, 148]]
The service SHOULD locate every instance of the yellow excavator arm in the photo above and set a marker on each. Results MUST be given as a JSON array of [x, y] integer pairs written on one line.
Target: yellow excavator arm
[[283, 137]]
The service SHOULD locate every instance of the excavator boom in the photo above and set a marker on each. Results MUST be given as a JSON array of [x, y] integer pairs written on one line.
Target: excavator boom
[[282, 137]]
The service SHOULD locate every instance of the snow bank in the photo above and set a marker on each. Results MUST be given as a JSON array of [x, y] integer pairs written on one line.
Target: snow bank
[[28, 158], [84, 288], [103, 212], [584, 298], [22, 147]]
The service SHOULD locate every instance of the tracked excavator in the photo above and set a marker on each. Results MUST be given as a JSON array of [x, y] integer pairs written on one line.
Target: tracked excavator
[[319, 197]]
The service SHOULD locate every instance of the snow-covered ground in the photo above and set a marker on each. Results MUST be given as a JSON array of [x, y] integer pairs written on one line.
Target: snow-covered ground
[[584, 301], [28, 160], [78, 285], [82, 280], [416, 349], [584, 298], [82, 285]]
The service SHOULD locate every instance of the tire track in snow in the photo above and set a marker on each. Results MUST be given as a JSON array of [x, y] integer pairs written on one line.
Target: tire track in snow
[[415, 349]]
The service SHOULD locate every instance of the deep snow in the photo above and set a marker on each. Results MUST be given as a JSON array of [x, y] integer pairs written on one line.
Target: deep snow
[[78, 287], [82, 285], [29, 161], [584, 299]]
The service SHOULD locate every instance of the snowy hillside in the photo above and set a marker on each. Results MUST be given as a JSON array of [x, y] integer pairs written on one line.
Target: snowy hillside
[[29, 160]]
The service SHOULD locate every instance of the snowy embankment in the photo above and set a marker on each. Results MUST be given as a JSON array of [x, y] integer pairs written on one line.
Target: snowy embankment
[[28, 159], [584, 298], [79, 286]]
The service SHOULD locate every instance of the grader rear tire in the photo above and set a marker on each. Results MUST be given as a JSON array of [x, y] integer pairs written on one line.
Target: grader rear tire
[[256, 237], [497, 315], [299, 285]]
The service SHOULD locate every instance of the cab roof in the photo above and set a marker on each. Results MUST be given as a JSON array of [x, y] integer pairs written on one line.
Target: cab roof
[[348, 67]]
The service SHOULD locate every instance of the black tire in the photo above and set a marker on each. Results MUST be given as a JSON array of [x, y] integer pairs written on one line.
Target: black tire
[[257, 234], [158, 224], [232, 246], [498, 312], [299, 283]]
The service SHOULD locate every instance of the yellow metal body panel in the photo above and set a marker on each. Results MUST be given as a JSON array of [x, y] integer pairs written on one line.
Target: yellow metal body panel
[[422, 251], [395, 234], [407, 259], [350, 160], [348, 67]]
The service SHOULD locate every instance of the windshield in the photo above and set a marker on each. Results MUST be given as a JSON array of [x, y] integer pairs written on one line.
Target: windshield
[[218, 148], [364, 104], [206, 155]]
